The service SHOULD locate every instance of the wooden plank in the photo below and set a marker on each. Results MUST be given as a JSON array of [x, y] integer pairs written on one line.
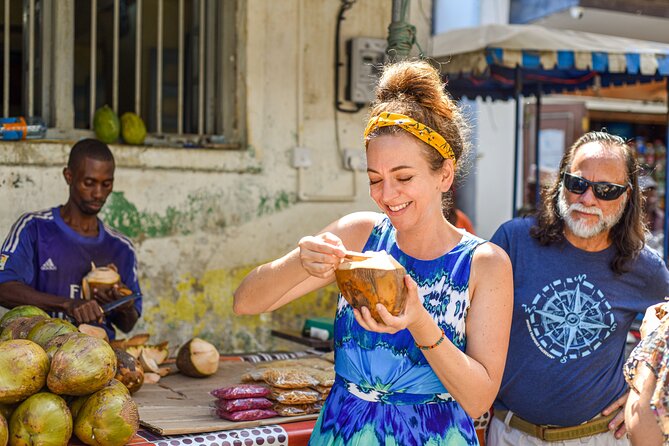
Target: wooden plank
[[180, 405]]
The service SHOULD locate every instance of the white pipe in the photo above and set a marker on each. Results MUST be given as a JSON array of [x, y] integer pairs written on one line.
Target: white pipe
[[302, 195]]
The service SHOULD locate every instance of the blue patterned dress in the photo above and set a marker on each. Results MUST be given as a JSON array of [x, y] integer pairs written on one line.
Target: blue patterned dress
[[385, 392]]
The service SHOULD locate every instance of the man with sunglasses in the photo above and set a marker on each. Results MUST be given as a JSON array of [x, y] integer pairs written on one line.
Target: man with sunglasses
[[581, 275]]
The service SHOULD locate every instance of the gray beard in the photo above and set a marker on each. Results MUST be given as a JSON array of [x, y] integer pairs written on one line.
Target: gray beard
[[581, 228]]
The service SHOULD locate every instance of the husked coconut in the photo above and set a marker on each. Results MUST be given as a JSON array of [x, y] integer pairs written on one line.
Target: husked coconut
[[23, 369], [21, 311], [198, 358], [128, 370], [102, 278], [109, 417], [371, 280], [43, 419], [82, 365], [95, 331]]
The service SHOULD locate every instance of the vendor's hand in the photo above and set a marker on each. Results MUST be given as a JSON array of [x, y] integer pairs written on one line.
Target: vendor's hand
[[651, 319], [617, 424], [321, 254], [84, 311], [414, 313], [108, 295]]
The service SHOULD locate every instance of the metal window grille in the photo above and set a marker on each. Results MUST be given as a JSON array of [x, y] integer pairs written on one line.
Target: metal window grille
[[173, 62]]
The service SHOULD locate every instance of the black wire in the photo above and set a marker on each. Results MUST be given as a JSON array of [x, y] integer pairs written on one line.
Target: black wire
[[345, 6]]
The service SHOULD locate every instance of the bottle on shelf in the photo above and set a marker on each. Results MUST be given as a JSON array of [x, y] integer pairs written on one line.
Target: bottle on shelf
[[20, 128]]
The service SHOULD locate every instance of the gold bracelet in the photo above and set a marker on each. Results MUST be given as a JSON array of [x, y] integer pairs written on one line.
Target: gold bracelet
[[436, 344]]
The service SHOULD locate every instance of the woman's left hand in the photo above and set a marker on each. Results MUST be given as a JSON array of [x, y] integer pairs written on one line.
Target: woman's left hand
[[413, 313]]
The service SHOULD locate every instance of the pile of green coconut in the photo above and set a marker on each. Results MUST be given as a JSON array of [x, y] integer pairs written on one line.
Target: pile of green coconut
[[56, 381]]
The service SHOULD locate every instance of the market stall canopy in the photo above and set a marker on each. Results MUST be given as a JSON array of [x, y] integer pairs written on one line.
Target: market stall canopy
[[482, 61]]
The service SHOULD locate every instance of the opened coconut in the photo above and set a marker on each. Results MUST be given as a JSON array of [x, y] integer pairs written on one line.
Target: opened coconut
[[128, 370], [21, 311], [43, 419], [109, 417], [20, 327], [45, 330], [23, 369], [198, 358], [82, 365], [372, 279], [100, 277]]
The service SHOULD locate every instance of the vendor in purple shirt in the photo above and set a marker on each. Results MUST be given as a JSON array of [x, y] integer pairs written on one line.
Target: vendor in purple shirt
[[47, 253]]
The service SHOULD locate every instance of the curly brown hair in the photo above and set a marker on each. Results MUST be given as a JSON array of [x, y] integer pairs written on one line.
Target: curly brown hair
[[414, 88], [627, 235]]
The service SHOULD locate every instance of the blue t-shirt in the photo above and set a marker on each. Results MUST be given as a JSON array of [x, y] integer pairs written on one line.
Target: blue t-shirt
[[42, 251], [570, 322]]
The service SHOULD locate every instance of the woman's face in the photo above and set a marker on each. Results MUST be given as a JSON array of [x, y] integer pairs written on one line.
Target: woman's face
[[401, 181]]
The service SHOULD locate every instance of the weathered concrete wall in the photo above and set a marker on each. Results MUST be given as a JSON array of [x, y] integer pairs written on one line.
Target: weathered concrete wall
[[201, 219]]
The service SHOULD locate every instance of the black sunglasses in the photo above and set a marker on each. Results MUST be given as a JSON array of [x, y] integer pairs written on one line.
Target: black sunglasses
[[602, 190]]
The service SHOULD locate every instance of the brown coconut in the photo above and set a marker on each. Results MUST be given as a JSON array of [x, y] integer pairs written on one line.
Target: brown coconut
[[109, 417], [21, 311], [43, 419], [198, 358], [19, 327], [82, 365], [23, 369], [129, 371], [370, 281]]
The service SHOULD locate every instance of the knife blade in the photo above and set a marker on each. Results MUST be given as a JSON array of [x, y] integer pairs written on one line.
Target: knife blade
[[106, 308]]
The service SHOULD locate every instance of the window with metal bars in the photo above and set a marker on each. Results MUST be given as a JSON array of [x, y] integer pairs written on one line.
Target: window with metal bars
[[173, 62]]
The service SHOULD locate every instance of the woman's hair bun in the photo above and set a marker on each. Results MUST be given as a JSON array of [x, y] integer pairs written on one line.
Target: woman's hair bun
[[417, 81]]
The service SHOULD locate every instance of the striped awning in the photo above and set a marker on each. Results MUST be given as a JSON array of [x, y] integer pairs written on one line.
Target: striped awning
[[482, 61]]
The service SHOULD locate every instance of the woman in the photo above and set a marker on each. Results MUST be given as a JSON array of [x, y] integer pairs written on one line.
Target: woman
[[420, 377], [647, 373]]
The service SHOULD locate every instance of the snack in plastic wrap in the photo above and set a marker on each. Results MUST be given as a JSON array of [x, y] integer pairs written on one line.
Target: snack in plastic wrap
[[241, 391], [243, 404], [316, 363], [323, 390], [294, 410], [290, 377], [246, 415], [253, 376], [295, 396]]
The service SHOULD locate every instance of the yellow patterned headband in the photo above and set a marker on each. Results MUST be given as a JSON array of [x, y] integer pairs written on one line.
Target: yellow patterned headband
[[420, 131]]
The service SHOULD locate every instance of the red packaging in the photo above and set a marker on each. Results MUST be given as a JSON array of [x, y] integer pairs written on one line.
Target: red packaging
[[243, 404], [246, 415], [241, 391]]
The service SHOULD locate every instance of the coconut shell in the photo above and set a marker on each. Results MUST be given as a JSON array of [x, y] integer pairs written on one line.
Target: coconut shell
[[20, 327], [198, 358], [23, 369], [128, 370], [101, 277], [379, 279], [109, 417], [21, 311], [43, 419], [82, 365], [45, 330]]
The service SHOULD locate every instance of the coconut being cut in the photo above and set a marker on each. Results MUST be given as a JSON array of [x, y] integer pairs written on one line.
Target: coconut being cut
[[371, 278], [102, 278]]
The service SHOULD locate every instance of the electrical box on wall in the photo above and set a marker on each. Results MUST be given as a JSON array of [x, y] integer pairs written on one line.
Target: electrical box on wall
[[365, 58]]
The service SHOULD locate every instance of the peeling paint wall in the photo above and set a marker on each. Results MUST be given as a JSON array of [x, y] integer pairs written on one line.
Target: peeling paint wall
[[202, 219]]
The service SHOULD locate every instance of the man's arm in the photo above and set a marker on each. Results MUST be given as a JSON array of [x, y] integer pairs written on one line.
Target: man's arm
[[14, 293]]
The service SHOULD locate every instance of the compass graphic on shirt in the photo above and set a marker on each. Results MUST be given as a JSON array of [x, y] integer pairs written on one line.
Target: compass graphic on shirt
[[569, 319]]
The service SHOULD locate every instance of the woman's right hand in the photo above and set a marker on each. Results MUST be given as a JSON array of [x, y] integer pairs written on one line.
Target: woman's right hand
[[321, 254]]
